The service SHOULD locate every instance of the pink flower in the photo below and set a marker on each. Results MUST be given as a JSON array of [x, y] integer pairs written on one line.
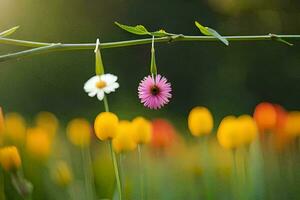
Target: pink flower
[[154, 91]]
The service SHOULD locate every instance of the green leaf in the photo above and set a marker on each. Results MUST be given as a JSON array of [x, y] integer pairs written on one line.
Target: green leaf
[[9, 31], [138, 29], [211, 32]]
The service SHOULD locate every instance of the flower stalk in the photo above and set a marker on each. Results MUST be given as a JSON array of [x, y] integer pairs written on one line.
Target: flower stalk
[[113, 155], [139, 147], [88, 174]]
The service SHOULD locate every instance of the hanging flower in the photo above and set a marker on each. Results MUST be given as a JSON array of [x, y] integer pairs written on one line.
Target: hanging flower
[[99, 85], [154, 91]]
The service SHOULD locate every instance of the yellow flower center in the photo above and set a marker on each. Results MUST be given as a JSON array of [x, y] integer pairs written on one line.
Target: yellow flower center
[[101, 84]]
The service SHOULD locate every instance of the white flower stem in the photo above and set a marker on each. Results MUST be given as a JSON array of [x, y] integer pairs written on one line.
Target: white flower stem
[[106, 107], [113, 155]]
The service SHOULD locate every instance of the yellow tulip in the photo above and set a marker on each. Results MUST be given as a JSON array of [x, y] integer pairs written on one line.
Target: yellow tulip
[[248, 129], [234, 132], [15, 127], [200, 121], [62, 174], [124, 141], [106, 125], [79, 132], [38, 144], [292, 125], [142, 130], [228, 133], [10, 158], [47, 121]]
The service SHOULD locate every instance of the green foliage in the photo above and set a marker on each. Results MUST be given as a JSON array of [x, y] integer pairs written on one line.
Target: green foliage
[[138, 29], [211, 32], [142, 30], [9, 31]]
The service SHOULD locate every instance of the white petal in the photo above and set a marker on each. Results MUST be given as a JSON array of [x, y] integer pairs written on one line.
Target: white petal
[[92, 93], [111, 88], [91, 84], [100, 95], [109, 78]]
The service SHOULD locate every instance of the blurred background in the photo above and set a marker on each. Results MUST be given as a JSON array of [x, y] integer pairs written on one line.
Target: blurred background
[[228, 80]]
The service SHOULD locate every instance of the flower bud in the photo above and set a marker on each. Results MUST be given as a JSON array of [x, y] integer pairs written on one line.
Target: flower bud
[[106, 125], [142, 130], [124, 141], [200, 121], [10, 159], [62, 174], [79, 132]]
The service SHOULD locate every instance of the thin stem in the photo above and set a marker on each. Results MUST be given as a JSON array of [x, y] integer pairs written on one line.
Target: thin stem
[[106, 107], [88, 177], [2, 192], [139, 147], [89, 46], [115, 165]]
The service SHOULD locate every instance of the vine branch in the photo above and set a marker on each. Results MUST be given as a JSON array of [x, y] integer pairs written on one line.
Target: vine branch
[[43, 47]]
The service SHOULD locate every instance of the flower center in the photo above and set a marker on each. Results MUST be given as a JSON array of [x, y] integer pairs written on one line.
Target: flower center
[[154, 90], [101, 84]]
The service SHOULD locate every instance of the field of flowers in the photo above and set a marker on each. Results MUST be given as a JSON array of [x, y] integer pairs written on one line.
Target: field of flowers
[[166, 108], [243, 157]]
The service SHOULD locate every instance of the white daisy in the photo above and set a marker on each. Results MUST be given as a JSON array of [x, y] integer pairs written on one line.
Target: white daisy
[[98, 85]]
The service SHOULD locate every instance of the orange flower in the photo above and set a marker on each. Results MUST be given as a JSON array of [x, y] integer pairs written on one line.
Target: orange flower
[[164, 133], [265, 116]]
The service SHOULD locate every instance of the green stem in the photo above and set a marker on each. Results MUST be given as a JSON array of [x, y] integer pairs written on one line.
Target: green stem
[[88, 175], [106, 107], [2, 192], [115, 165], [113, 155], [139, 147], [89, 46]]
